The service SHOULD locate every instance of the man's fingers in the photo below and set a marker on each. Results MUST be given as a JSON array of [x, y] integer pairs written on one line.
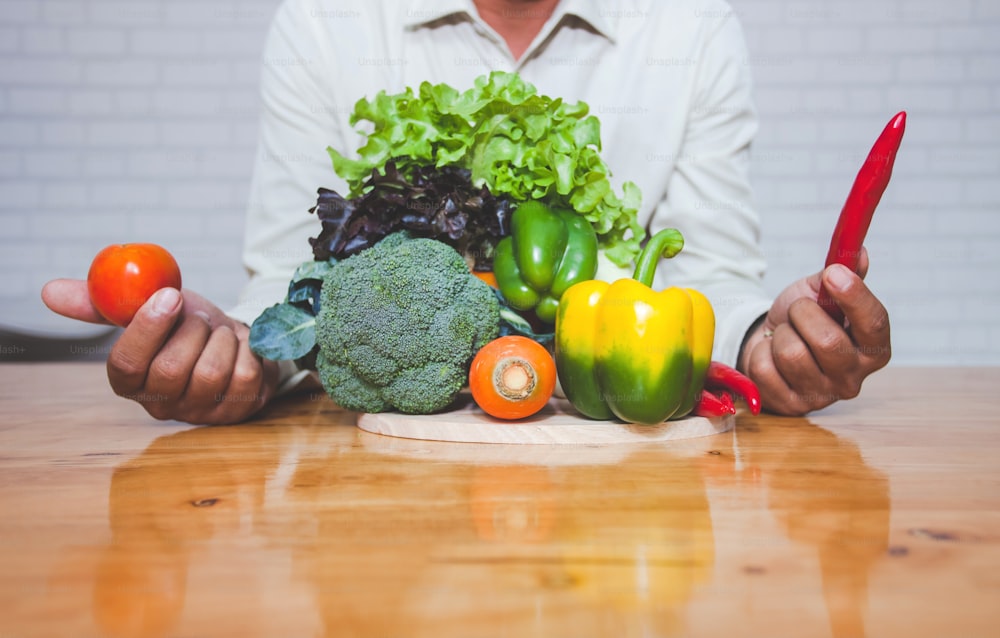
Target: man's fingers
[[193, 302], [131, 356], [795, 359], [830, 346], [869, 320], [70, 298], [807, 287], [792, 358], [777, 395], [214, 370], [863, 262], [170, 372], [248, 380]]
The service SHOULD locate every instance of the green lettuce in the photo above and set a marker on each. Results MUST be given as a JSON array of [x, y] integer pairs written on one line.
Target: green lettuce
[[514, 141]]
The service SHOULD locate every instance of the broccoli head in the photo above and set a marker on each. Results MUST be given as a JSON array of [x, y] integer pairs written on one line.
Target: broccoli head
[[399, 324]]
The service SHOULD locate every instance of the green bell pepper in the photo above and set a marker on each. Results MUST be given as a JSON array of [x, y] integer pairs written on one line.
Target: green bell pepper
[[548, 250], [623, 350]]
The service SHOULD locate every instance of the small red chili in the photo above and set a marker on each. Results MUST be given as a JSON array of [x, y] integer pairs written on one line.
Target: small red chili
[[710, 405], [722, 377]]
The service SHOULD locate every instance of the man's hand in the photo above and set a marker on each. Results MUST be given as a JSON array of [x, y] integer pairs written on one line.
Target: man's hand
[[181, 357], [801, 359]]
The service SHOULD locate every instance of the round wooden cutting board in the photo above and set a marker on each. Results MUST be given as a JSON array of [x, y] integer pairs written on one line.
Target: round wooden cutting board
[[556, 424]]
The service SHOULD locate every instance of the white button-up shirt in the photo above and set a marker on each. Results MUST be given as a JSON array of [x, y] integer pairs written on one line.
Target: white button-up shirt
[[668, 79]]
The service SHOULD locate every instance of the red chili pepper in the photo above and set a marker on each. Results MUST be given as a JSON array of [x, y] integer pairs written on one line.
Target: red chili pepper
[[722, 377], [711, 406], [856, 216]]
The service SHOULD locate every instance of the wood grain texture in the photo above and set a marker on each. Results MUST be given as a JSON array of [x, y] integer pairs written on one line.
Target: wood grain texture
[[555, 424], [876, 517]]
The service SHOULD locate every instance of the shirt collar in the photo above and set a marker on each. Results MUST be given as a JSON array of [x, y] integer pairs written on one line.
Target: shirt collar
[[423, 12], [600, 15]]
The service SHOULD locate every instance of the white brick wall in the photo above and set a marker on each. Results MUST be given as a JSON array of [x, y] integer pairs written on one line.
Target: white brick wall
[[135, 118], [121, 121], [829, 76]]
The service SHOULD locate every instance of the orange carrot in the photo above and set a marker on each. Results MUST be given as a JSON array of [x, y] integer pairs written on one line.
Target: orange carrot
[[487, 276], [512, 377]]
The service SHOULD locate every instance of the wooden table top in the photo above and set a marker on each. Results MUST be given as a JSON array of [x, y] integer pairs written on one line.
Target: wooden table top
[[875, 517]]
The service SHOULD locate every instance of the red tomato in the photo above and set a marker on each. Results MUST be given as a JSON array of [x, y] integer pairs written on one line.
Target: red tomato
[[123, 276]]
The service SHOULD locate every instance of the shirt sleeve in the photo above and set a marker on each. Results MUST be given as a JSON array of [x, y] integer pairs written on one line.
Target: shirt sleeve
[[299, 119], [709, 197]]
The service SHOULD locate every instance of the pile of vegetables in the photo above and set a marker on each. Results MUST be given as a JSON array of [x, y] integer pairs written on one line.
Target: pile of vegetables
[[518, 144], [472, 218]]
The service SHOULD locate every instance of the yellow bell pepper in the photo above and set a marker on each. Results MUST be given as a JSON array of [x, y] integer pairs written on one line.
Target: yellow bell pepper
[[623, 350]]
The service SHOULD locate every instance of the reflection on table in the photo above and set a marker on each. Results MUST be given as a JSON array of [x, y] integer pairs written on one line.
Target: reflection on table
[[375, 536]]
